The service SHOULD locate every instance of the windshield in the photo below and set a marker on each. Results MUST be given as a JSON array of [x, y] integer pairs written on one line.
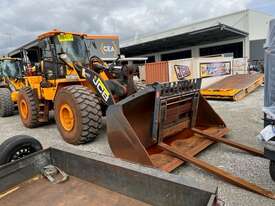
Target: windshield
[[74, 46], [10, 68]]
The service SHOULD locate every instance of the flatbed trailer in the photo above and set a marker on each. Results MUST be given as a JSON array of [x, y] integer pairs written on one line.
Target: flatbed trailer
[[96, 179], [233, 87]]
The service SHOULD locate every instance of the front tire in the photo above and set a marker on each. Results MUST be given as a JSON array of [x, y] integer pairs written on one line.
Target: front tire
[[78, 114], [6, 104], [18, 147], [28, 107]]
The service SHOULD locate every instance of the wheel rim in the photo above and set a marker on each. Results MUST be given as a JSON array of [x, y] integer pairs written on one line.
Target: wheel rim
[[66, 117], [24, 109], [21, 152]]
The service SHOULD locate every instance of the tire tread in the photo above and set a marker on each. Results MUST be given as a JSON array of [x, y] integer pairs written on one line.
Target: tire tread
[[90, 112], [6, 104], [34, 122]]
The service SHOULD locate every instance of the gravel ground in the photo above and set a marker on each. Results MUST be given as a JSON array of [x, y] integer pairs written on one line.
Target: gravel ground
[[244, 120]]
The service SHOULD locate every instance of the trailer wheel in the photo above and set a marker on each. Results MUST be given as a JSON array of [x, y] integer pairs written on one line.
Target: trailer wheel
[[18, 147], [6, 104], [78, 114], [28, 107], [272, 169]]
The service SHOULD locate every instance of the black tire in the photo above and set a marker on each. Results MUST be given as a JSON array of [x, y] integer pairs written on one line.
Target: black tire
[[18, 147], [28, 95], [86, 111], [6, 104], [272, 169], [140, 85]]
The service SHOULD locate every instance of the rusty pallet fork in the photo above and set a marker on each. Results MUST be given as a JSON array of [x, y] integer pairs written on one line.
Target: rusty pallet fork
[[167, 124]]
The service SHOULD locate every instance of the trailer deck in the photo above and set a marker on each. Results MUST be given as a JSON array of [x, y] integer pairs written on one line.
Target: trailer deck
[[96, 179], [70, 193], [233, 87]]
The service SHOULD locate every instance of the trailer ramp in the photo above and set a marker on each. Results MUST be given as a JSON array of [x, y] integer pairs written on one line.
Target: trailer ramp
[[233, 87]]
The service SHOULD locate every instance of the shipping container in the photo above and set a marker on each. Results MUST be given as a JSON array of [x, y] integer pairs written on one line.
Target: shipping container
[[157, 72]]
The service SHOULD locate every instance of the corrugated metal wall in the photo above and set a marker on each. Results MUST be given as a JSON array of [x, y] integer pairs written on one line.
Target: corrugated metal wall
[[257, 49], [157, 72]]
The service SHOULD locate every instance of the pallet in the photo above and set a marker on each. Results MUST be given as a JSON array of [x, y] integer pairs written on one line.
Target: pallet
[[234, 87]]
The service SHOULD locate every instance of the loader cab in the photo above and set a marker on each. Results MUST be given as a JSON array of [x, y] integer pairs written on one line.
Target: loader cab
[[79, 48], [42, 56], [10, 68], [71, 45], [31, 56]]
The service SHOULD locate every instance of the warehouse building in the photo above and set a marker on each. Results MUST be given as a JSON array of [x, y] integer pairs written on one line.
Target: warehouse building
[[239, 35]]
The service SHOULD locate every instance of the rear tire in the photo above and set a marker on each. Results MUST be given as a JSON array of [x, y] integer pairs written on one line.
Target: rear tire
[[6, 104], [28, 107], [272, 169], [18, 147], [78, 114]]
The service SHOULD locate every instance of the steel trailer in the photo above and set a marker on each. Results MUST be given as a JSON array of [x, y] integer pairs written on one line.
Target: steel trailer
[[94, 179]]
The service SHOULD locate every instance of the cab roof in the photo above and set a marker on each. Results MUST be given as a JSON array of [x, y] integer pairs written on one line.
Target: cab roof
[[55, 32], [84, 35]]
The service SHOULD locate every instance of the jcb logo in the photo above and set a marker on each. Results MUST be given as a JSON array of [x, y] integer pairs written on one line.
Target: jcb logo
[[101, 88]]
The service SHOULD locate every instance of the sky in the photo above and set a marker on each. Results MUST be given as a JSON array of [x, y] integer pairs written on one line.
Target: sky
[[22, 20]]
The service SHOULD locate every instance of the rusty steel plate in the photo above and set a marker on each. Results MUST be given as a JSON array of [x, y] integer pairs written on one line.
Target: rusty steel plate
[[238, 81], [71, 193]]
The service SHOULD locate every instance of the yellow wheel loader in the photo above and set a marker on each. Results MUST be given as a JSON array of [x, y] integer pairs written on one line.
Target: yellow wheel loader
[[66, 74], [11, 81]]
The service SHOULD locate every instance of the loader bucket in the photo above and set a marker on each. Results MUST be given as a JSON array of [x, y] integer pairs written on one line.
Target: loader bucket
[[162, 113]]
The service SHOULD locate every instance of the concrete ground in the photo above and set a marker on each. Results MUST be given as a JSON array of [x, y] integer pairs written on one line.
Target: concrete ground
[[244, 120]]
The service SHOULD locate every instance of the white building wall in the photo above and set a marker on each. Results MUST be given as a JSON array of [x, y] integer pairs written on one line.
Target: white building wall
[[258, 25]]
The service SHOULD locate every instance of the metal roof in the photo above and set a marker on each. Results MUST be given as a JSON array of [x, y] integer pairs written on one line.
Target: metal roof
[[220, 32]]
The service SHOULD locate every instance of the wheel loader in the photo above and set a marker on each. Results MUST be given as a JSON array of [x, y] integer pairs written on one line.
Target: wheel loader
[[65, 73], [11, 81]]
